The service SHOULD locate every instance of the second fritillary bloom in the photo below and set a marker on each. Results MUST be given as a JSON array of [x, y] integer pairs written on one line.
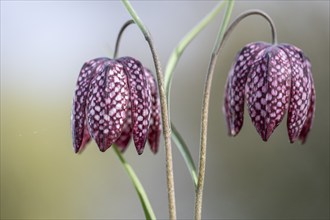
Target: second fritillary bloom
[[274, 79]]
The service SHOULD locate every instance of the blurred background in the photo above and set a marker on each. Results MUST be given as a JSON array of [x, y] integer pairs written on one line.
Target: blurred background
[[43, 46]]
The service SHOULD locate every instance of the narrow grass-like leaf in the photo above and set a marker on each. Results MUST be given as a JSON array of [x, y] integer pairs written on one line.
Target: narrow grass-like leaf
[[184, 150], [186, 40], [219, 42], [172, 62], [148, 211]]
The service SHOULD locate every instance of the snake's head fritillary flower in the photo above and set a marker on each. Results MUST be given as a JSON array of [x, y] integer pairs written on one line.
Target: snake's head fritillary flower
[[274, 79], [114, 100]]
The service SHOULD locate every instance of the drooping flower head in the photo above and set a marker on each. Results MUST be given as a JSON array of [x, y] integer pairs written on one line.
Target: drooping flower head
[[274, 79], [114, 100]]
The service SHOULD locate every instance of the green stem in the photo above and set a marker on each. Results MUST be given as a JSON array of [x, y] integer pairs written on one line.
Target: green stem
[[136, 18], [204, 119], [222, 37], [122, 29], [164, 110], [149, 213]]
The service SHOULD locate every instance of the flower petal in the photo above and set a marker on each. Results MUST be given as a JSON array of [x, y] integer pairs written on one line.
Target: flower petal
[[311, 110], [78, 116], [126, 134], [140, 99], [108, 104], [268, 90], [300, 92], [235, 86], [155, 120], [86, 139]]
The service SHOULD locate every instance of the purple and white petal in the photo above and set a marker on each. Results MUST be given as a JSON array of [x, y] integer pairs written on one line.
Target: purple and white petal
[[155, 128], [78, 116], [126, 134], [300, 92], [108, 104], [140, 100], [86, 139], [234, 121], [276, 79], [311, 110], [235, 86], [268, 90]]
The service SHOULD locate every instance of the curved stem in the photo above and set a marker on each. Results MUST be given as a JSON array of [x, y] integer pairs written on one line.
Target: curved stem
[[165, 118], [222, 36], [221, 40], [202, 154], [127, 23]]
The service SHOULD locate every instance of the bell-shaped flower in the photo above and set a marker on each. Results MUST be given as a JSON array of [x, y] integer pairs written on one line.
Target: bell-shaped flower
[[274, 79], [114, 100]]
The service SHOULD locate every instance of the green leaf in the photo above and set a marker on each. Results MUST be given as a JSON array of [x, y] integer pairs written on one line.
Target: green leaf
[[149, 213], [184, 150], [177, 52], [223, 28], [172, 62]]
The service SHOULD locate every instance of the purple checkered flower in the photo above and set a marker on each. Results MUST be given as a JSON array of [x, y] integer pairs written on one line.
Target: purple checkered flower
[[114, 100], [274, 79]]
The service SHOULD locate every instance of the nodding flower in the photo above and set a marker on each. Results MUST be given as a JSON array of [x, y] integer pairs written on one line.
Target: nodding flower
[[274, 79], [114, 100]]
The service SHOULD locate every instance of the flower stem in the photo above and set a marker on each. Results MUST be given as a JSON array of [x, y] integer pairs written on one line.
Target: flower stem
[[204, 118], [122, 29], [222, 37], [165, 118]]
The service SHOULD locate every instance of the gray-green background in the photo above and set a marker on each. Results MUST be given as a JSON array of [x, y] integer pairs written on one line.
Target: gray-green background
[[43, 46]]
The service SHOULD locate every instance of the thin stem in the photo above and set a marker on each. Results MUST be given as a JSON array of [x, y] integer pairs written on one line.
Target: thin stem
[[165, 118], [204, 119], [127, 23], [166, 133], [136, 18], [221, 40], [148, 211], [222, 37]]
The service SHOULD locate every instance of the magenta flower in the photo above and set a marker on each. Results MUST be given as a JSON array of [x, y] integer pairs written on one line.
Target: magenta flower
[[274, 79], [114, 100]]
